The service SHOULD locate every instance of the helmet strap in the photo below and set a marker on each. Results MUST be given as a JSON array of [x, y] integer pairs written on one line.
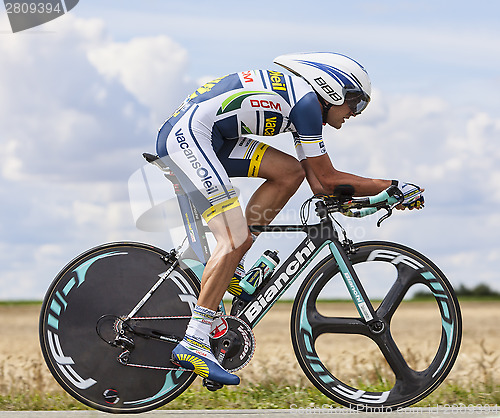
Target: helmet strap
[[326, 107]]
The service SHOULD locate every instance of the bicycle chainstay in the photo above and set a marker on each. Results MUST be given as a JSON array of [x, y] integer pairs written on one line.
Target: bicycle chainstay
[[121, 333]]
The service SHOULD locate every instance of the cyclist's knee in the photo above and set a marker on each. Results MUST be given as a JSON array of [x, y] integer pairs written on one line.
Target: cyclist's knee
[[237, 241], [227, 248], [292, 175], [299, 174], [282, 169], [231, 232], [247, 243]]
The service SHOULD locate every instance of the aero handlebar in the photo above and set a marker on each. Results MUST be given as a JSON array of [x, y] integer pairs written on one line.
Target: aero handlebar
[[343, 202]]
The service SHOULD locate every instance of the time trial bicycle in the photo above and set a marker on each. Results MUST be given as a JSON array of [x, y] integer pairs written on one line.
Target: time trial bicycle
[[112, 315]]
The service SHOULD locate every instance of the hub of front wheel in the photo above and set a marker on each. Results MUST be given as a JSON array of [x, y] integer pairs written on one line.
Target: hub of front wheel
[[377, 327]]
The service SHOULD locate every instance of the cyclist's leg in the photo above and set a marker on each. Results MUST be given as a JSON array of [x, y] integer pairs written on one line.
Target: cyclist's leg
[[283, 173], [233, 240], [203, 177]]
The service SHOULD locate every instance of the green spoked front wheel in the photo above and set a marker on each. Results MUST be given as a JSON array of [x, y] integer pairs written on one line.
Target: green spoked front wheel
[[386, 372]]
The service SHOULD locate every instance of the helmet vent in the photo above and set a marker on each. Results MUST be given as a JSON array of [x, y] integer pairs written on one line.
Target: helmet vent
[[356, 78]]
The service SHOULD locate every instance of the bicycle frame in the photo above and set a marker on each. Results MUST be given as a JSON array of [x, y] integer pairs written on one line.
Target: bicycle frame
[[318, 236]]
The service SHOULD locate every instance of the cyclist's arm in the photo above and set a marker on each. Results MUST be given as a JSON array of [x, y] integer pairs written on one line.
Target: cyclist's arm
[[306, 116], [323, 178], [311, 178]]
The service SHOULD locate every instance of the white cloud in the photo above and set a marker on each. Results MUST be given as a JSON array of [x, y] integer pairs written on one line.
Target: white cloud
[[55, 109], [74, 104], [149, 68]]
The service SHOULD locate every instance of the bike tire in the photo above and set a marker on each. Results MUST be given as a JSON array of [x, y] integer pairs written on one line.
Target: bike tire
[[410, 385], [110, 280]]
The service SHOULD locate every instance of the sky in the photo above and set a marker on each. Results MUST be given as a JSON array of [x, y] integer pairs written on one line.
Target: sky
[[82, 97]]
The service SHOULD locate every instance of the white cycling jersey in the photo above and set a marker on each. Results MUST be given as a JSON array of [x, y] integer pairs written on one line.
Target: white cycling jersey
[[204, 140]]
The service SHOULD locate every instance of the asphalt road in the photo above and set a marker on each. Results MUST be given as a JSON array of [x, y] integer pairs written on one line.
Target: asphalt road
[[457, 411]]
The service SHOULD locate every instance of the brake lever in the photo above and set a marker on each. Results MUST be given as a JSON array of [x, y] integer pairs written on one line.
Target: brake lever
[[387, 215]]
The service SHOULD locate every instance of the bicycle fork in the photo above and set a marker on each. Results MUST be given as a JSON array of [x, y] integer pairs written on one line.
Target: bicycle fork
[[355, 288]]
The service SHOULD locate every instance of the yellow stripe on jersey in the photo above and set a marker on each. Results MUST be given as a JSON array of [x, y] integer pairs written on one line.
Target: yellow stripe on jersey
[[220, 208], [253, 169]]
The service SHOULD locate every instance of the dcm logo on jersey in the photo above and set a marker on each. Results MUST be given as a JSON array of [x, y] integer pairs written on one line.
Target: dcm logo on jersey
[[234, 101], [266, 104]]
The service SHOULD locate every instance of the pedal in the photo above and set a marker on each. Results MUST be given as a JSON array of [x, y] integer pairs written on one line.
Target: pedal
[[212, 385], [172, 360]]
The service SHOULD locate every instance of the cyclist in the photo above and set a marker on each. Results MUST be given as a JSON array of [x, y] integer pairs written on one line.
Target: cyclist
[[205, 142]]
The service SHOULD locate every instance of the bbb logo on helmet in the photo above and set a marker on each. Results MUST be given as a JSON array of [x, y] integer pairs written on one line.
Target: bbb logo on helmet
[[327, 89]]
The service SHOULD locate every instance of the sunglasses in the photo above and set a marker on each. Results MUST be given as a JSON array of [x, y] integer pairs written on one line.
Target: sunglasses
[[357, 102]]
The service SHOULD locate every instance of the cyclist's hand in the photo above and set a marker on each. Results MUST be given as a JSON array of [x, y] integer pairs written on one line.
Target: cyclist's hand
[[413, 197]]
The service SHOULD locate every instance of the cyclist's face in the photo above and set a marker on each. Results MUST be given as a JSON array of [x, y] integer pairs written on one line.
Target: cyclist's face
[[338, 114]]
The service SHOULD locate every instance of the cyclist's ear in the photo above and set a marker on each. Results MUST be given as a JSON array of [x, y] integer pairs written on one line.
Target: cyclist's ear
[[344, 191]]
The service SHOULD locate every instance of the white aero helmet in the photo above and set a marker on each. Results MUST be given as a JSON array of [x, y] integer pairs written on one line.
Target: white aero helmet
[[335, 77]]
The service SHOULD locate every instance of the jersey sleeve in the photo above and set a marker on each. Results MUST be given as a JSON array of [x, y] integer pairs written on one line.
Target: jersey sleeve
[[307, 118], [298, 147]]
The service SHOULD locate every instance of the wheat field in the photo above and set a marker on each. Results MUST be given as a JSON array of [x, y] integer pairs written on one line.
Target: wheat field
[[351, 357]]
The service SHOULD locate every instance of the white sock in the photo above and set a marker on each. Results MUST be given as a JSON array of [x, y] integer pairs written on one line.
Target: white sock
[[200, 325]]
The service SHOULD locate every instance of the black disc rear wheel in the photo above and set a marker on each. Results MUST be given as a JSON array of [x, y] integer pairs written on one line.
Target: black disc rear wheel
[[83, 311]]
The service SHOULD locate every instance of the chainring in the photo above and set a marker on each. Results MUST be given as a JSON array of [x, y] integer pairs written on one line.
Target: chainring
[[232, 342]]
